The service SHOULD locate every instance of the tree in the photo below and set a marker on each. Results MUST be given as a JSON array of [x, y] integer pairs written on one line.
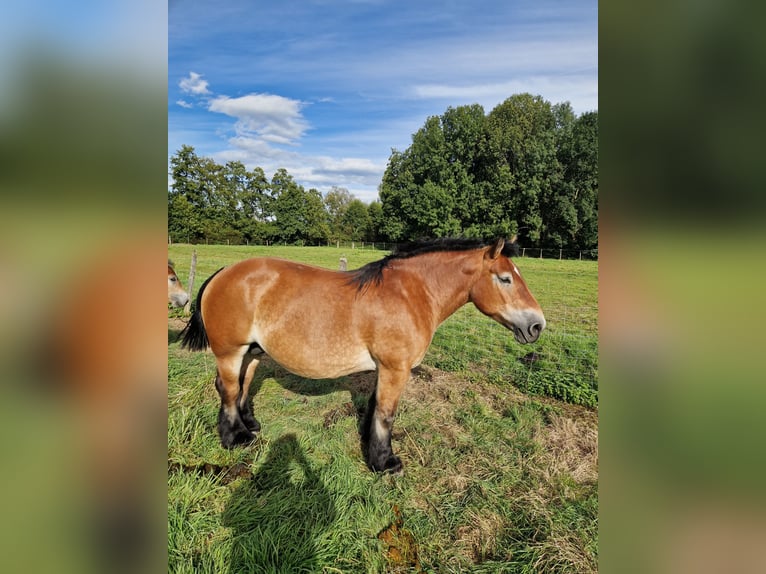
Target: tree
[[356, 220], [396, 195], [183, 220], [187, 200], [289, 207], [257, 217], [336, 202], [317, 228], [580, 161], [375, 216], [227, 203], [522, 129], [527, 167]]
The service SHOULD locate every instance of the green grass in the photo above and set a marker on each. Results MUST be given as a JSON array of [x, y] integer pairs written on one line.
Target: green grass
[[495, 479]]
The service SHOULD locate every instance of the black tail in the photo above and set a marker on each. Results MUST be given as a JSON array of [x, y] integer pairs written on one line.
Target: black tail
[[194, 334]]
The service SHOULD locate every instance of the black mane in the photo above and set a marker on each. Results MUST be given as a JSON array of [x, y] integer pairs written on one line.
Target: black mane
[[373, 272]]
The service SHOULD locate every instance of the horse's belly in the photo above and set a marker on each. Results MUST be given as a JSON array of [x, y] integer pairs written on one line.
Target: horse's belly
[[323, 363], [312, 344]]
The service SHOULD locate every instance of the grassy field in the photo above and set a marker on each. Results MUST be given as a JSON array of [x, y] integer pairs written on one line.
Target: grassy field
[[500, 449]]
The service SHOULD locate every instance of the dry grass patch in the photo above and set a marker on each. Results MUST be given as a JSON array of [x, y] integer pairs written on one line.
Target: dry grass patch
[[478, 538], [571, 447], [565, 553]]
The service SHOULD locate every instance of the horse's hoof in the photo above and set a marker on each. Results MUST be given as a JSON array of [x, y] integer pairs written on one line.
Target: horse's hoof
[[250, 422], [393, 465], [238, 438]]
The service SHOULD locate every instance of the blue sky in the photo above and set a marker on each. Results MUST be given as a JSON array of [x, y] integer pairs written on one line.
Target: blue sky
[[326, 88]]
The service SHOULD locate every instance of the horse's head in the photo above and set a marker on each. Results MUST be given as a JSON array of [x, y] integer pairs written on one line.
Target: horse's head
[[501, 293], [177, 296]]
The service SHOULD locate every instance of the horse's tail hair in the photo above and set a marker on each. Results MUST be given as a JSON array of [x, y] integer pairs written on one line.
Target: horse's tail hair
[[194, 334]]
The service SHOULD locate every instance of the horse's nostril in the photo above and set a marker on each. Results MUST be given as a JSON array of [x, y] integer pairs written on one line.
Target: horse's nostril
[[535, 329]]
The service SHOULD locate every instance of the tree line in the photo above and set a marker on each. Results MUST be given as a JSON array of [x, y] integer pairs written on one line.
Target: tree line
[[229, 203], [528, 168]]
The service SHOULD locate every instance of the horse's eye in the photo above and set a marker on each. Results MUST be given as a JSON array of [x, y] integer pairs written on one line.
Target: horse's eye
[[173, 279], [504, 279]]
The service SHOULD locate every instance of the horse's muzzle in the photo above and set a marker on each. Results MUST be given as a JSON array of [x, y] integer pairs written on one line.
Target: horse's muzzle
[[179, 299], [526, 326]]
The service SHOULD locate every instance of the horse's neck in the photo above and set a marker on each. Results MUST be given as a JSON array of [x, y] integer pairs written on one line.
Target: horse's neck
[[447, 280]]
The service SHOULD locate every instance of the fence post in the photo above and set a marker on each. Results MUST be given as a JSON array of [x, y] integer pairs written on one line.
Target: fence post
[[541, 253], [343, 264], [560, 250], [190, 284]]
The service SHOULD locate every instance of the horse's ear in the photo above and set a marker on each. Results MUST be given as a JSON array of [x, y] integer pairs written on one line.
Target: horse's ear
[[496, 249]]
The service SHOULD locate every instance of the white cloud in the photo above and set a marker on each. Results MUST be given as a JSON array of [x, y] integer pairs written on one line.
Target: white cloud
[[184, 104], [194, 84], [580, 90], [350, 166], [360, 176], [271, 118]]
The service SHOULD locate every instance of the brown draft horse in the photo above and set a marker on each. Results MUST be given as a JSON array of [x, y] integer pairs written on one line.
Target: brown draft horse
[[319, 323], [177, 296]]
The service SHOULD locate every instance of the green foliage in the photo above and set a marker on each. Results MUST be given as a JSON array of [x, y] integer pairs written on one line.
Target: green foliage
[[375, 216], [356, 220], [336, 202], [528, 167]]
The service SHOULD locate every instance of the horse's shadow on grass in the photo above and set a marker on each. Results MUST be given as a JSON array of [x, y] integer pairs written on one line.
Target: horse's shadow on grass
[[359, 385], [280, 517]]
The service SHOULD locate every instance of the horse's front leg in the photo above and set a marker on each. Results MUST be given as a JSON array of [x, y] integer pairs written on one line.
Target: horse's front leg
[[379, 420]]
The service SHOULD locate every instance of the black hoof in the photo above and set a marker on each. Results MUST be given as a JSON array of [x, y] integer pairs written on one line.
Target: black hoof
[[392, 465], [231, 438], [250, 422]]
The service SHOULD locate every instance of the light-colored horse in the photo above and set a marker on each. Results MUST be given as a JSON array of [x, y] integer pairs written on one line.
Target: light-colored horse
[[177, 295]]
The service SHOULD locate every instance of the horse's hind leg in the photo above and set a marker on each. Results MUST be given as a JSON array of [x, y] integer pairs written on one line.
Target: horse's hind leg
[[379, 420], [231, 428], [249, 364]]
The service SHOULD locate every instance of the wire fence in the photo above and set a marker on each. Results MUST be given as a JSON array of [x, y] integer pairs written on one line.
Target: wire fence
[[538, 252], [562, 364]]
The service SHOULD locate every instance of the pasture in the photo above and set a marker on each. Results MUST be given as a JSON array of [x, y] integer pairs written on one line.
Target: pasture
[[499, 443]]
